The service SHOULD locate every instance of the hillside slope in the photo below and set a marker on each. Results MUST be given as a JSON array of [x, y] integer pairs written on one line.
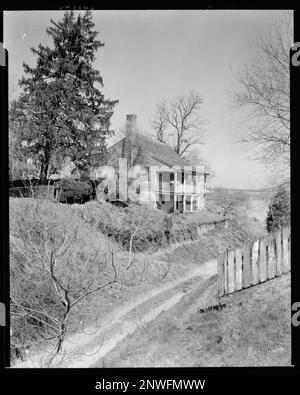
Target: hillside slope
[[30, 217]]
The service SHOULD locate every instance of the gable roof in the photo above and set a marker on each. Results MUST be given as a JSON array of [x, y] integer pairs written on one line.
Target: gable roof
[[154, 153], [158, 153]]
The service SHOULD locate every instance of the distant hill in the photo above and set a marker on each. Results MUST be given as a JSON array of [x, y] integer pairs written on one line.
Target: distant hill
[[253, 194]]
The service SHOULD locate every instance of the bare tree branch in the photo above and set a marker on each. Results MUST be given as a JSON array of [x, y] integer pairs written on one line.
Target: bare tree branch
[[178, 123], [264, 94]]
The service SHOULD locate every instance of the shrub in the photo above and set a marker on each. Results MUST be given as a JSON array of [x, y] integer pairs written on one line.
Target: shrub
[[120, 223], [72, 191], [152, 228], [279, 209]]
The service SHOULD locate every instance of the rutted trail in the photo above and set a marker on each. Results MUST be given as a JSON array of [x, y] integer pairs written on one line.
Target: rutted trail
[[85, 349], [128, 326]]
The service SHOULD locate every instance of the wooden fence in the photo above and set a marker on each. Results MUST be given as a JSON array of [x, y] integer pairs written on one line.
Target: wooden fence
[[262, 260], [206, 227]]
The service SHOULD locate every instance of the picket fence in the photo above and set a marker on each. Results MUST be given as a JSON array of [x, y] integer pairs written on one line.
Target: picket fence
[[252, 264]]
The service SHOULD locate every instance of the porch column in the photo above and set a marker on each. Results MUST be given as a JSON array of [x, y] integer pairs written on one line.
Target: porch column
[[175, 189]]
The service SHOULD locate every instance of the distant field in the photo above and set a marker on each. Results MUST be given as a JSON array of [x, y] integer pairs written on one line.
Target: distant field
[[255, 205]]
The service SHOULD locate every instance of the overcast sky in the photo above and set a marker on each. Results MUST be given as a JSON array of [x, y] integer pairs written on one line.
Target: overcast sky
[[153, 55]]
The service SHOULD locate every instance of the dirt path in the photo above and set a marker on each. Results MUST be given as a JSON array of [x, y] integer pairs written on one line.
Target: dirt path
[[201, 293], [86, 348], [133, 315]]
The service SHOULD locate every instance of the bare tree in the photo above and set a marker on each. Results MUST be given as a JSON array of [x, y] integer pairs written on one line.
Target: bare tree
[[264, 92], [50, 276], [178, 124], [226, 202], [55, 270]]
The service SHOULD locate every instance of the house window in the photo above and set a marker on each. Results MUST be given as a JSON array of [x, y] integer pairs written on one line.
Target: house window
[[194, 176], [172, 182], [160, 186], [188, 203], [195, 203], [194, 180]]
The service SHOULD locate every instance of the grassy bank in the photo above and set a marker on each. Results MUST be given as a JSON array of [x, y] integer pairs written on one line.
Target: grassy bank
[[253, 329], [152, 227]]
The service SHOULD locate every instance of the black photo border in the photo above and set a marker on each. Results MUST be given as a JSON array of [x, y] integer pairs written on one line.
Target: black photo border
[[83, 380]]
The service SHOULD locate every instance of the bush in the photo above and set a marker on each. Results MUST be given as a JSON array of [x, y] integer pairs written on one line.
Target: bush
[[120, 223], [72, 191], [153, 228], [279, 212]]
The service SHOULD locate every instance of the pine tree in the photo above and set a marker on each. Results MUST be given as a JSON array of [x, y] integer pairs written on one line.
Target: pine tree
[[65, 113]]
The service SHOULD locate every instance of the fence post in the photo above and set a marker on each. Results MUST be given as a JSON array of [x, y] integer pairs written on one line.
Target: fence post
[[285, 249], [239, 270], [278, 252], [231, 271], [246, 267], [221, 274], [271, 257], [262, 260], [254, 263], [226, 282]]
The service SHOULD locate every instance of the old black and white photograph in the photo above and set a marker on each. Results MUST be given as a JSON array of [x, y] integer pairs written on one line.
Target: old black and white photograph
[[149, 188]]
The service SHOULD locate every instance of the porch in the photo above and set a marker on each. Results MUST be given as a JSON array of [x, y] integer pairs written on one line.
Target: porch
[[180, 190]]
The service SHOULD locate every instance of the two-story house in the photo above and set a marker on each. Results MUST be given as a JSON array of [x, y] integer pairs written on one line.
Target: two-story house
[[175, 184]]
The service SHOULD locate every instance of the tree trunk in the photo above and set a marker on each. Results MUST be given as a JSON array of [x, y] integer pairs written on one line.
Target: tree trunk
[[44, 173], [44, 169]]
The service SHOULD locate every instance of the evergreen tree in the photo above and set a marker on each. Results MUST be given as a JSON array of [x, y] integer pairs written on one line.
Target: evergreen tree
[[65, 113], [279, 212]]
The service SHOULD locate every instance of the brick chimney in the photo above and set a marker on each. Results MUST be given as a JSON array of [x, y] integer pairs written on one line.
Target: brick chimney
[[130, 124], [130, 131]]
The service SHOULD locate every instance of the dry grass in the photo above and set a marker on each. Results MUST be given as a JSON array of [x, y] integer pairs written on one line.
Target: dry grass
[[252, 330]]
